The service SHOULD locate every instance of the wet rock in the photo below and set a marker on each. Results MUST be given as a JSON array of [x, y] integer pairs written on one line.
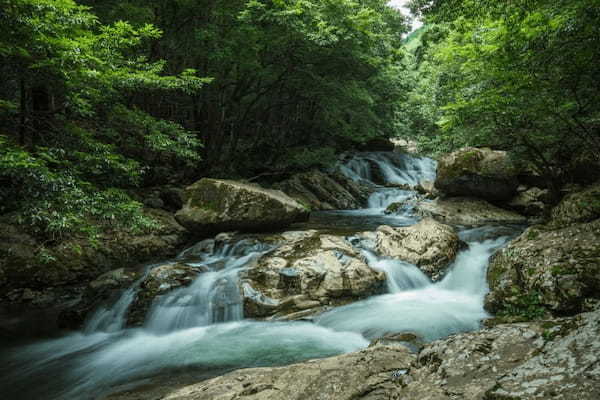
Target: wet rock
[[477, 172], [214, 206], [405, 146], [309, 271], [546, 269], [326, 191], [427, 189], [62, 272], [581, 206], [409, 340], [374, 373], [467, 211], [531, 202], [159, 281], [429, 244]]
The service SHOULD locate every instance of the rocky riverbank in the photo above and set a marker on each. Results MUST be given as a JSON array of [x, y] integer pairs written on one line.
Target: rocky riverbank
[[427, 280]]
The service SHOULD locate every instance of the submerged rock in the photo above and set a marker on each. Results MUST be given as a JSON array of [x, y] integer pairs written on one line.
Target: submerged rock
[[477, 172], [326, 191], [429, 244], [308, 272], [214, 206], [546, 269], [467, 211], [159, 281]]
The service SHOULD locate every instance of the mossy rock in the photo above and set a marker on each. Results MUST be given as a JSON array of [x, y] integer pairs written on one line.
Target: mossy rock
[[478, 172], [546, 270], [214, 206], [582, 206]]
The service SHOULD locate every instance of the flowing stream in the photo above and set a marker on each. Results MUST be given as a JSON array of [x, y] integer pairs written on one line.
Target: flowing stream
[[201, 327]]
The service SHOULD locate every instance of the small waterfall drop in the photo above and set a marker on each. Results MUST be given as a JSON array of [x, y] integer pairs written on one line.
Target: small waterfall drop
[[213, 297], [415, 305]]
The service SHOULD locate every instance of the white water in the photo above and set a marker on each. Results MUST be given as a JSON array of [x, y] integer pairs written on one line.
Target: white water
[[395, 168], [202, 327], [414, 304], [391, 169]]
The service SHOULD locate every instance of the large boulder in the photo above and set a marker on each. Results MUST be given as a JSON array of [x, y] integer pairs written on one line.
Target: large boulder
[[555, 359], [467, 211], [581, 206], [546, 269], [477, 172], [326, 191], [429, 244], [159, 281], [308, 272], [214, 206]]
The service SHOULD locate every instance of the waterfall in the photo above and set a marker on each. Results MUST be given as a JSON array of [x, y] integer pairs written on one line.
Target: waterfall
[[213, 297], [415, 305], [394, 168]]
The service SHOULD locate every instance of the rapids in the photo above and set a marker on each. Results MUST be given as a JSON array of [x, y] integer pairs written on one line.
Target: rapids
[[201, 327]]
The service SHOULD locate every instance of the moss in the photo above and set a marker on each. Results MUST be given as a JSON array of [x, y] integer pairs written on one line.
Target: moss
[[467, 161], [524, 306], [562, 270]]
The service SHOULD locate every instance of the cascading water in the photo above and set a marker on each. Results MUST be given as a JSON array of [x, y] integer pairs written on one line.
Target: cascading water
[[414, 304], [201, 326]]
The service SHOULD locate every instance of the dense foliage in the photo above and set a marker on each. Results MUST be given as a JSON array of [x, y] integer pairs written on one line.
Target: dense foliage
[[103, 97], [519, 75]]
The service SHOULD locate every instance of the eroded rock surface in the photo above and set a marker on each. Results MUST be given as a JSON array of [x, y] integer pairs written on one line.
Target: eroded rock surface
[[546, 269], [321, 191], [467, 211], [581, 206], [214, 206], [308, 272], [429, 244]]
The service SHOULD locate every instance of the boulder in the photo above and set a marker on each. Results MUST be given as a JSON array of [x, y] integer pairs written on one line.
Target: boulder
[[308, 272], [546, 270], [581, 206], [326, 191], [429, 244], [214, 206], [477, 172], [551, 359], [532, 202], [76, 262], [159, 281], [467, 211]]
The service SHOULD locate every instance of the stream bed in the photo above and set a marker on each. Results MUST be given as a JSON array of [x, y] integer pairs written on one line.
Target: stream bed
[[202, 327]]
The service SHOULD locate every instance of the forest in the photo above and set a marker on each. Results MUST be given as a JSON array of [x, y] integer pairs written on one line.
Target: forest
[[299, 199], [101, 98]]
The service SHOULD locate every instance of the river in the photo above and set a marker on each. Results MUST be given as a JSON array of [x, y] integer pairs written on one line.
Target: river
[[202, 327]]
